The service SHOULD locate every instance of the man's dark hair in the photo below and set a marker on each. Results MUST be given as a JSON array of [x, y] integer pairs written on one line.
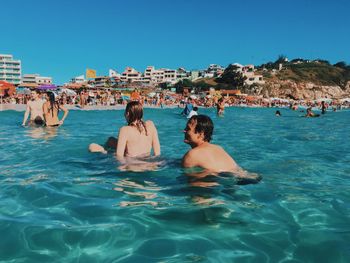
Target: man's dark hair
[[203, 124]]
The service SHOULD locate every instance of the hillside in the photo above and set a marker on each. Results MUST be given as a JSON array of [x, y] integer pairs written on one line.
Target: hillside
[[319, 73]]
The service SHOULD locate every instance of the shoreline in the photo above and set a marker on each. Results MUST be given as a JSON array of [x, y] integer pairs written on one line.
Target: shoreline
[[22, 107]]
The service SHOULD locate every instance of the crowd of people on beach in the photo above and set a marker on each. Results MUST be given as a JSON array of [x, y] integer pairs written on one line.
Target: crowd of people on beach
[[86, 98]]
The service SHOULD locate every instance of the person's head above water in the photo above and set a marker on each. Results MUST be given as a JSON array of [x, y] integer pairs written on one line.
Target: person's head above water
[[199, 129], [134, 114]]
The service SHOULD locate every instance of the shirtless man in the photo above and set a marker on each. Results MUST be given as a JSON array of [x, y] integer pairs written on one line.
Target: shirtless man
[[212, 158], [35, 110]]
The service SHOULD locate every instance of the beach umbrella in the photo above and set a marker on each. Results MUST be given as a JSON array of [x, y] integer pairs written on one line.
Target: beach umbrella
[[6, 87], [69, 92], [47, 87], [24, 91]]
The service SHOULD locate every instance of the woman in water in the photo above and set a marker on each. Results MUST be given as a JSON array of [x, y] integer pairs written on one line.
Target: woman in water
[[51, 109], [137, 139]]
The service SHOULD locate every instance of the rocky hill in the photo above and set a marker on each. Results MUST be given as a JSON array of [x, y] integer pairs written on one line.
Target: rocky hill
[[301, 79], [297, 79]]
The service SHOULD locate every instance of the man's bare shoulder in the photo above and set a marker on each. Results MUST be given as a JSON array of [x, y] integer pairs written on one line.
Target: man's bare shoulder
[[190, 159]]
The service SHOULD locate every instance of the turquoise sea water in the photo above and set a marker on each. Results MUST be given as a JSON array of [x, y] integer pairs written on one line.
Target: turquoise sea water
[[59, 203]]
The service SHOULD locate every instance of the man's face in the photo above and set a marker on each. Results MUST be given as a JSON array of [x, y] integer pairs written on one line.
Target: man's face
[[34, 95], [191, 137]]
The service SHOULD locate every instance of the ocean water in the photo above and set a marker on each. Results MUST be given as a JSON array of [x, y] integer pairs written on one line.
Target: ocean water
[[60, 203]]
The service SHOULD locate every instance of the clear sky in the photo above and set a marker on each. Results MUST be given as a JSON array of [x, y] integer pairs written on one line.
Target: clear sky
[[62, 38]]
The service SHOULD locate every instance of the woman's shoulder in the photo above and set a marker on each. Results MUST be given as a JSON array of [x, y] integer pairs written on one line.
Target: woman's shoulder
[[149, 123]]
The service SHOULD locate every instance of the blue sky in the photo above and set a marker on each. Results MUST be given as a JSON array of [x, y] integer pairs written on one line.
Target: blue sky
[[62, 38]]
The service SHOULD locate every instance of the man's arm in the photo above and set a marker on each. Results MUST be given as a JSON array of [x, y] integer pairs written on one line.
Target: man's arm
[[26, 115]]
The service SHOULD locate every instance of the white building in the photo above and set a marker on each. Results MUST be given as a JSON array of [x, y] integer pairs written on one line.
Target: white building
[[181, 74], [248, 71], [36, 79], [130, 75], [78, 79], [155, 76], [214, 70], [10, 69]]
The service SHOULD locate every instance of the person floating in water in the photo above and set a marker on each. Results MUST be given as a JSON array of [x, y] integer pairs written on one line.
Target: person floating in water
[[310, 114], [137, 139], [51, 109], [210, 157], [35, 110]]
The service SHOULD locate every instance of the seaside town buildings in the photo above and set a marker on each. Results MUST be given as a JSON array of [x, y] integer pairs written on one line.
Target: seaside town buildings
[[10, 69], [35, 79]]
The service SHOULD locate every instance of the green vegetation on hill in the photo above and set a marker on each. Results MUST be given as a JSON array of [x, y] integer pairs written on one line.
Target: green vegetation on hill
[[320, 72]]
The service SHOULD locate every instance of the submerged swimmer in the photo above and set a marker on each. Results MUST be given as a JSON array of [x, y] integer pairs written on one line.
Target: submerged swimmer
[[212, 158], [137, 139]]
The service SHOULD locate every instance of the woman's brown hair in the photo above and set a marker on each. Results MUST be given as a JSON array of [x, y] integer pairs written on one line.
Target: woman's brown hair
[[134, 114]]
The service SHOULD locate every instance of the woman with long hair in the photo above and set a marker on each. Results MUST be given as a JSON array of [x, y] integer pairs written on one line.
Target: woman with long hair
[[136, 139], [51, 109]]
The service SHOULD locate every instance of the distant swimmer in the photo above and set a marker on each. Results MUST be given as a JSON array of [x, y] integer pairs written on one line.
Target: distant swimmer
[[213, 158], [35, 110], [51, 109], [137, 139], [193, 112], [220, 106], [278, 113], [310, 114], [323, 107], [188, 108]]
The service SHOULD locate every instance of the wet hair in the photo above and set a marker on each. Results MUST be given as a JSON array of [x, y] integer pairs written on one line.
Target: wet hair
[[39, 121], [53, 102], [134, 114], [203, 124], [195, 108]]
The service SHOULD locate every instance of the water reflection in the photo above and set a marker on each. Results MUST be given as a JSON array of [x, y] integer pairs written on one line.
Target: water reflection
[[44, 133], [141, 192]]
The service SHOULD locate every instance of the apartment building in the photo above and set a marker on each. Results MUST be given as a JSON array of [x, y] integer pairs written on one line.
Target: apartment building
[[36, 79], [130, 75], [10, 69], [248, 71]]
